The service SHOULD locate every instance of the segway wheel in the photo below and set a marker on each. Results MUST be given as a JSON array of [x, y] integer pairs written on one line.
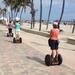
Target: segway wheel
[[48, 60], [20, 40], [12, 35], [14, 41], [59, 59], [7, 35]]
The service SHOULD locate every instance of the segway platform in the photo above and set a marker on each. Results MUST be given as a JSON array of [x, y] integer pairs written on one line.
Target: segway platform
[[15, 40], [9, 34], [50, 61]]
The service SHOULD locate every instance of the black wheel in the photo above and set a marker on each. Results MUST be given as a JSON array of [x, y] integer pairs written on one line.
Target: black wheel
[[12, 35], [48, 60], [20, 40], [49, 42], [7, 35], [59, 59], [14, 41]]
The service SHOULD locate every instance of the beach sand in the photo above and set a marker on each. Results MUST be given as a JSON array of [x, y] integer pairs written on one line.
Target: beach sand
[[67, 29]]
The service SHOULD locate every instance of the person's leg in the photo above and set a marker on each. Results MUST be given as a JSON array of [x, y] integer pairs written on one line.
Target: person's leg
[[56, 48], [17, 34], [9, 30], [53, 53]]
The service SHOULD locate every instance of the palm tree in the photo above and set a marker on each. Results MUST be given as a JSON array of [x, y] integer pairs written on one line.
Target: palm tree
[[63, 5], [3, 12], [16, 5], [10, 3], [49, 14], [0, 11], [40, 14], [23, 5], [19, 6], [21, 13]]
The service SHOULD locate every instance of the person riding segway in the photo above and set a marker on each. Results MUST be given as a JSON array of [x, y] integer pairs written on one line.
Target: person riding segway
[[10, 26], [17, 38], [53, 42]]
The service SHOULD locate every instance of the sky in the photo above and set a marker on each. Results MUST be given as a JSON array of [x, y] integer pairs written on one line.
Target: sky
[[69, 11]]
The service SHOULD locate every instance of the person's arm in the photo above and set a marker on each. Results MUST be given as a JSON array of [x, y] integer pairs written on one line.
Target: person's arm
[[8, 25], [13, 25], [50, 34]]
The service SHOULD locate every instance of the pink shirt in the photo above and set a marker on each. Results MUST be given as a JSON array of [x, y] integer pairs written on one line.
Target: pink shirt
[[54, 34], [10, 25]]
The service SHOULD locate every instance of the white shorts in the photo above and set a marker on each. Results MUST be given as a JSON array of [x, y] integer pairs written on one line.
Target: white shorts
[[17, 29]]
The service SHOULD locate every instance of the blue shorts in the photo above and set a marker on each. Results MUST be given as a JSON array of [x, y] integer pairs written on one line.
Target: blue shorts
[[53, 44]]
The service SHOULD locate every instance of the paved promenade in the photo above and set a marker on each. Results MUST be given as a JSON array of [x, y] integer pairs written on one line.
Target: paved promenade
[[28, 58]]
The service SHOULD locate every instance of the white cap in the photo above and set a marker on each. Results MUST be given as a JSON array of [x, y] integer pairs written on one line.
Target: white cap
[[17, 19], [55, 23]]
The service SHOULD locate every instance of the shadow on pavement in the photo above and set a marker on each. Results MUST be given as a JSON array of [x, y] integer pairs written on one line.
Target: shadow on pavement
[[38, 44], [36, 59], [10, 41]]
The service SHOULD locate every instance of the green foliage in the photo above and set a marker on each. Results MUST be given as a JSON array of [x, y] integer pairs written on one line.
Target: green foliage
[[16, 5]]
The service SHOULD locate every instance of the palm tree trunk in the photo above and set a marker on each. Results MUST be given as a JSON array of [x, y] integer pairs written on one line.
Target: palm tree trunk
[[63, 5], [11, 14], [40, 14], [73, 27], [3, 16], [33, 15], [49, 14], [21, 13], [14, 13]]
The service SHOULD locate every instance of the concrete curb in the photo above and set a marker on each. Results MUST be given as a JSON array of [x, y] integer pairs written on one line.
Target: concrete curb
[[71, 40], [45, 34], [36, 32]]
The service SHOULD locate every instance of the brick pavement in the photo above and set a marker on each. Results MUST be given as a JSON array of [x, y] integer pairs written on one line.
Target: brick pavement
[[25, 59]]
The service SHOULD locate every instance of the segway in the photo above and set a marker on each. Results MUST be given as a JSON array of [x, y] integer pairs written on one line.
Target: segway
[[15, 40], [9, 34], [49, 60]]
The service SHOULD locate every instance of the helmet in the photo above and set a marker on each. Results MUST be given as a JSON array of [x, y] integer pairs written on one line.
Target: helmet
[[17, 19], [55, 25]]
